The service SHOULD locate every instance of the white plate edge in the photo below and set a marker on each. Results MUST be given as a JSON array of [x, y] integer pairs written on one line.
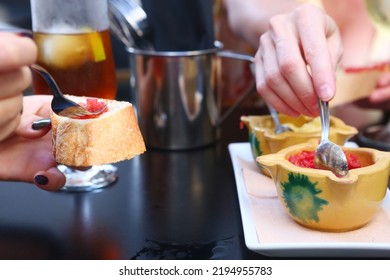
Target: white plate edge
[[250, 232]]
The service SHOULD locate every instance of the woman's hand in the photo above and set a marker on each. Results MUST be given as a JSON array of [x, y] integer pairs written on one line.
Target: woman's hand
[[27, 155], [379, 98], [304, 39], [16, 53]]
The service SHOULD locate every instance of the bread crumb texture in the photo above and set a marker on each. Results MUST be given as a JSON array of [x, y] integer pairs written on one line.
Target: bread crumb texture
[[114, 136]]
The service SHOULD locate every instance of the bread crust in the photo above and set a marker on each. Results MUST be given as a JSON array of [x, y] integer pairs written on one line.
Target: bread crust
[[112, 137]]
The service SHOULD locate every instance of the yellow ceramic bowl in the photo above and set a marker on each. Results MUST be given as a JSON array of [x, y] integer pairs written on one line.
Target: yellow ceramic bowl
[[319, 200], [264, 141]]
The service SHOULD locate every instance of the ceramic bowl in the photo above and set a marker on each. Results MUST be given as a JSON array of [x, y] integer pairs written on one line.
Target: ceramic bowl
[[264, 141], [320, 200]]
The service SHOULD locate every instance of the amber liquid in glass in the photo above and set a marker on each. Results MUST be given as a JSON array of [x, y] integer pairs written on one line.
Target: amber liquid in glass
[[82, 64]]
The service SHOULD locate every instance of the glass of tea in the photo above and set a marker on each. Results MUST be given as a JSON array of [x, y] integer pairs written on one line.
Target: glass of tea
[[74, 45]]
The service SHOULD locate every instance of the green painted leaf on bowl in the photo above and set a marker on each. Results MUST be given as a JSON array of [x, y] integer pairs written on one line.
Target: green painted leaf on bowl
[[301, 197]]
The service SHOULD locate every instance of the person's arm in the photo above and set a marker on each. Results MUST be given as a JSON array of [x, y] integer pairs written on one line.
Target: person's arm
[[250, 18]]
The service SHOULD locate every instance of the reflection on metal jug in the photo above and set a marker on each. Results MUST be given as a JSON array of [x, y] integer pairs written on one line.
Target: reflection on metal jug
[[177, 96]]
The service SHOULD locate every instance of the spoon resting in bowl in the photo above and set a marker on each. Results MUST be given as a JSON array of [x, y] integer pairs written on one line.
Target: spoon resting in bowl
[[329, 155], [279, 128]]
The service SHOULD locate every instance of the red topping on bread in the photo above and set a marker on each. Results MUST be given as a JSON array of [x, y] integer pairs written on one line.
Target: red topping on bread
[[92, 105]]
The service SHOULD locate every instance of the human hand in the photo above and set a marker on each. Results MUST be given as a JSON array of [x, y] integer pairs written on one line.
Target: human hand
[[380, 96], [16, 53], [304, 39], [27, 155]]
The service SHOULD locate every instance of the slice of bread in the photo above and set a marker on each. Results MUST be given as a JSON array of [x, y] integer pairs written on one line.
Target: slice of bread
[[112, 137]]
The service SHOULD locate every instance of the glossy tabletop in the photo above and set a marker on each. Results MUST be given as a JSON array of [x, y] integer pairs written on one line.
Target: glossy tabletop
[[165, 205]]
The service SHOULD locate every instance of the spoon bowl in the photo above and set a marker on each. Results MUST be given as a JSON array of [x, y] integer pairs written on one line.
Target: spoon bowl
[[329, 155], [61, 105]]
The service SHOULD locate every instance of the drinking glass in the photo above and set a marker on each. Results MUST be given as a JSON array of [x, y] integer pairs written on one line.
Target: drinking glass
[[74, 45]]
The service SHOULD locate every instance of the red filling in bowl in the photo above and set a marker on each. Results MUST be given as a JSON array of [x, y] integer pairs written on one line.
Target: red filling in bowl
[[306, 159]]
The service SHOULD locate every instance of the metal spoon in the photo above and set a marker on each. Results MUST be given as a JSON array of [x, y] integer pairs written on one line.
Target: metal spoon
[[279, 128], [329, 155], [60, 104]]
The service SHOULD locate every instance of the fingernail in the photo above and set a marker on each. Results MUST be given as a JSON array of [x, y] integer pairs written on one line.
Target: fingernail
[[39, 124], [41, 180], [326, 92]]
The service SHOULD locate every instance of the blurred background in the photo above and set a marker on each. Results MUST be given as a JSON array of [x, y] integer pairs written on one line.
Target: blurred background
[[16, 13]]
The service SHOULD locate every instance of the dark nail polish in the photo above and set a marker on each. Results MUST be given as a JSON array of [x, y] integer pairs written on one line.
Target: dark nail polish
[[41, 180], [39, 124]]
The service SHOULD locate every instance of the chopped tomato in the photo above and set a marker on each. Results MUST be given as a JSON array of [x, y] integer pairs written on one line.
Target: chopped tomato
[[353, 161], [303, 159], [306, 159], [93, 105]]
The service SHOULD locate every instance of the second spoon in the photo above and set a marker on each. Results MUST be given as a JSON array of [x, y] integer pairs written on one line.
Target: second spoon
[[329, 155]]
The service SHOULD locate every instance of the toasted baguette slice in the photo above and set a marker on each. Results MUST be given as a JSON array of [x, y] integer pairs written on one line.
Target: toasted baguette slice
[[113, 136]]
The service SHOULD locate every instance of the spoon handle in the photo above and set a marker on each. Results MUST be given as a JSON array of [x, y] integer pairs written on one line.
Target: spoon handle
[[45, 75], [324, 114], [274, 115]]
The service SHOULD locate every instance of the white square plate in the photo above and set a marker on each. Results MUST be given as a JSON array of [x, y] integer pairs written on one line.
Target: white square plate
[[293, 240]]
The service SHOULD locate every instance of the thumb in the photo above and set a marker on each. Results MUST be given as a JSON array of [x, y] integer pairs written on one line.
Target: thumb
[[33, 126], [50, 180]]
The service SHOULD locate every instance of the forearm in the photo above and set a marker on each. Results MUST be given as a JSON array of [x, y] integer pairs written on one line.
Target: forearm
[[249, 18]]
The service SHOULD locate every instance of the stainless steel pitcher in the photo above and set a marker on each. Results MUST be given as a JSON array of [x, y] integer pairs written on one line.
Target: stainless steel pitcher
[[177, 96]]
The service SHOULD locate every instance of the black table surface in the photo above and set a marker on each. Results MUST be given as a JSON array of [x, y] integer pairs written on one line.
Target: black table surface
[[165, 205]]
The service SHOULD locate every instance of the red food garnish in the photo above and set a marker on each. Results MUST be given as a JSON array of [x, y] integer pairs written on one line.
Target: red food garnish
[[92, 105], [377, 67], [242, 125], [306, 159]]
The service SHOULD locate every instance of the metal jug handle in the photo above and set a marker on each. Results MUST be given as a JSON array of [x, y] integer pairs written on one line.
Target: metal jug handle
[[251, 89]]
